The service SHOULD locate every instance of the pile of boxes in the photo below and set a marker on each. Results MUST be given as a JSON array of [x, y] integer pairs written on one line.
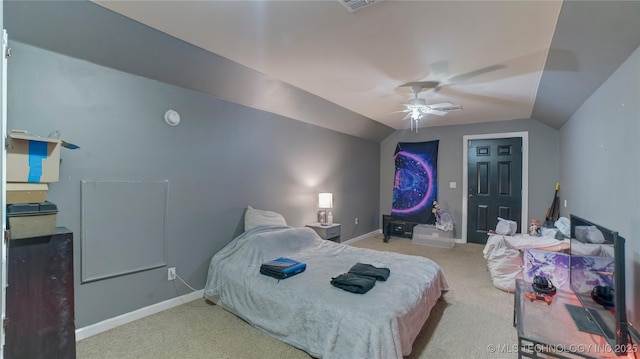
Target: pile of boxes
[[32, 163]]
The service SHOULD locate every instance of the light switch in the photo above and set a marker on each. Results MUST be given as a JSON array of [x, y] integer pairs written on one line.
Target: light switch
[[452, 185]]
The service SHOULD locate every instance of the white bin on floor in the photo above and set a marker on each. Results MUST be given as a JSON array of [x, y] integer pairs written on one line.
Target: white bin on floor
[[429, 235]]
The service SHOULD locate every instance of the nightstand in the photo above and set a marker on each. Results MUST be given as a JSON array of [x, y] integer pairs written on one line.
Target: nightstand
[[330, 232]]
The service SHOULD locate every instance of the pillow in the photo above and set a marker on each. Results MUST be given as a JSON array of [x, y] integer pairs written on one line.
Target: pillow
[[506, 227], [257, 217], [589, 234]]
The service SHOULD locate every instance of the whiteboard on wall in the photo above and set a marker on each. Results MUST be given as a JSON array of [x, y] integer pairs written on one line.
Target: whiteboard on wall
[[123, 227]]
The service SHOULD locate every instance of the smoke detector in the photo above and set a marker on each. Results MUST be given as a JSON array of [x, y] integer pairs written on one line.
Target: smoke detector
[[355, 5]]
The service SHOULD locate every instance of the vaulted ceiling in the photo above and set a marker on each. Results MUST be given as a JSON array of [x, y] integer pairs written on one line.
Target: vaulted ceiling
[[500, 60], [314, 61]]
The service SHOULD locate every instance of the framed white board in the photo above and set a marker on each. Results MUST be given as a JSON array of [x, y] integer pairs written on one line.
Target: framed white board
[[123, 227]]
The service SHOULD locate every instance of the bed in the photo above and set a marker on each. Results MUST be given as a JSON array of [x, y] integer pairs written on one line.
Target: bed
[[305, 310]]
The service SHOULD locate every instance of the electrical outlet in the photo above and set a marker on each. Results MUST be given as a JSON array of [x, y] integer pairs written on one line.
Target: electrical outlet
[[357, 220], [171, 273]]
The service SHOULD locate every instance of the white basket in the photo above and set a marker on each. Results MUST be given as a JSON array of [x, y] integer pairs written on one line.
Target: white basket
[[431, 236]]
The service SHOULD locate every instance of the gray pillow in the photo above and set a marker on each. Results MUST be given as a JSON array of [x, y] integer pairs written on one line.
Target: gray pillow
[[589, 234]]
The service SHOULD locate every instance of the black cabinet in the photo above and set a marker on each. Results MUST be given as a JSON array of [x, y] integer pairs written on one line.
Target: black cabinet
[[40, 305], [395, 226]]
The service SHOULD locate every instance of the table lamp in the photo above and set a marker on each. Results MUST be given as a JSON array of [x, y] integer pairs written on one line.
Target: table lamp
[[325, 201]]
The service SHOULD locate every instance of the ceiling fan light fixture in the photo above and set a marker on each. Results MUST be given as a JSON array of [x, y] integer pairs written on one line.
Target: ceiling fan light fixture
[[417, 107], [416, 114], [415, 122], [418, 102]]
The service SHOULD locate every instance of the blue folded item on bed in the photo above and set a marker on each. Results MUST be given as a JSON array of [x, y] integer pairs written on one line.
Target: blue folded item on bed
[[370, 271], [282, 268], [353, 283]]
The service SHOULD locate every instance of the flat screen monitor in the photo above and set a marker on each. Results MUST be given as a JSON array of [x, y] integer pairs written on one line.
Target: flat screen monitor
[[597, 270]]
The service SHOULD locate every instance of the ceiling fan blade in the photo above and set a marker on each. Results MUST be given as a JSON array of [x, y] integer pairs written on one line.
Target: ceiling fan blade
[[436, 112], [443, 68], [490, 100], [470, 74], [422, 84], [445, 106], [406, 117], [441, 104]]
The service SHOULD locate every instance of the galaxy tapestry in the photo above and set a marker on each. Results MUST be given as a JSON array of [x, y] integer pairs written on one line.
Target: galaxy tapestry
[[415, 184]]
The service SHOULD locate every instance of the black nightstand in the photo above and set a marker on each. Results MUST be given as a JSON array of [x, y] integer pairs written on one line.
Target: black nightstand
[[330, 232]]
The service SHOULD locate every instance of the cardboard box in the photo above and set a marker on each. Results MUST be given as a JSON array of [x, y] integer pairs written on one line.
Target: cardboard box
[[28, 220], [26, 192], [32, 158]]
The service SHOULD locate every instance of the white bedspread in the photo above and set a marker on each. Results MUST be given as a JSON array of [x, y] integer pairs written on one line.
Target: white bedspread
[[307, 312]]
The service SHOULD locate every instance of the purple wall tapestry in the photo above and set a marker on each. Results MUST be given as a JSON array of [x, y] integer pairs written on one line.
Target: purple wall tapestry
[[415, 184]]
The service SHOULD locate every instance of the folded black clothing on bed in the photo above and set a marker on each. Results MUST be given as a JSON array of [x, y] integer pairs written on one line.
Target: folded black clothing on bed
[[370, 271], [353, 283]]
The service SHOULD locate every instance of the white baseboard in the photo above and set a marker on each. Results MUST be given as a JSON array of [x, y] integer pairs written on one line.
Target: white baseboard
[[103, 326], [358, 238]]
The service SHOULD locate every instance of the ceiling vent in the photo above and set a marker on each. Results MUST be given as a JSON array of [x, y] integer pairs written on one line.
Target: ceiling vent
[[355, 5]]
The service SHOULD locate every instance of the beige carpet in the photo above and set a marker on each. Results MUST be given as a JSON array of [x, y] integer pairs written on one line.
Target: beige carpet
[[473, 316]]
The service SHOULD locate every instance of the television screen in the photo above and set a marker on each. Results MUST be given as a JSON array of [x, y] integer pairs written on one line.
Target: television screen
[[598, 281]]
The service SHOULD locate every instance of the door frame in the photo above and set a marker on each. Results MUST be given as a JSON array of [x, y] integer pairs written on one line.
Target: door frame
[[3, 179], [465, 174]]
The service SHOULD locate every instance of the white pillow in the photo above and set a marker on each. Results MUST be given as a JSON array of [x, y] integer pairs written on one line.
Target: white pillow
[[257, 217], [506, 227]]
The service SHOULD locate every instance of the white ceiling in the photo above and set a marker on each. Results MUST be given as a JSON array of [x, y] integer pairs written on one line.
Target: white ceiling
[[488, 56]]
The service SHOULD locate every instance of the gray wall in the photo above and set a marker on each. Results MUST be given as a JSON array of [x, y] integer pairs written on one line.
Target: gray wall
[[85, 30], [221, 158], [600, 166], [543, 163]]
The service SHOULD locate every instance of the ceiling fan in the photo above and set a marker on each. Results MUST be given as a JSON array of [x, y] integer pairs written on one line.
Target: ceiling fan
[[417, 107]]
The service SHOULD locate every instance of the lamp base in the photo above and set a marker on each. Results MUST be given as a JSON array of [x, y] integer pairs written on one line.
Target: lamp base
[[322, 217]]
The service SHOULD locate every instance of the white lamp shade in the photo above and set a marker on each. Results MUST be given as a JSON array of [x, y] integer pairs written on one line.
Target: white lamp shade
[[325, 200]]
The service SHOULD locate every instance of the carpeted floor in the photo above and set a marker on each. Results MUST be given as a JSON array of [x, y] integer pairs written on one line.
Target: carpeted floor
[[473, 316]]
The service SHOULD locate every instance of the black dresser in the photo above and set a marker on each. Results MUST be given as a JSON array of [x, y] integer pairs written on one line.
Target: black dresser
[[40, 316]]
